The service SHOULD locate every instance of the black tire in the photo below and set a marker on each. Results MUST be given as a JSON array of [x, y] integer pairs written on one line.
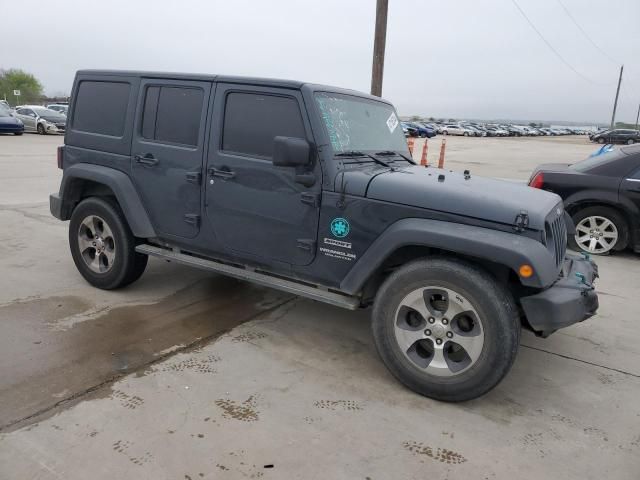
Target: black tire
[[630, 141], [41, 129], [17, 133], [495, 307], [601, 141], [466, 134], [128, 265], [609, 213], [423, 135], [444, 132]]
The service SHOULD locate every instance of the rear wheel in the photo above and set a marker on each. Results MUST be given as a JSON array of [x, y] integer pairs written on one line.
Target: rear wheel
[[599, 230], [102, 245], [630, 141], [17, 133], [41, 129], [466, 134], [445, 328]]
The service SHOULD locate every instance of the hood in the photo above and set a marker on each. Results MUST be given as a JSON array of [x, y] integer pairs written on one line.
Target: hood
[[478, 197], [10, 121], [54, 118]]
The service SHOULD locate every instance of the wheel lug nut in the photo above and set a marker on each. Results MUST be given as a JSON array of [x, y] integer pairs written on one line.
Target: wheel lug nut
[[427, 332], [438, 341], [431, 319], [449, 334], [445, 321], [94, 244]]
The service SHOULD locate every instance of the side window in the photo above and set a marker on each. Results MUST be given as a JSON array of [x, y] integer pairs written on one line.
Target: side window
[[253, 120], [635, 175], [172, 115], [101, 107]]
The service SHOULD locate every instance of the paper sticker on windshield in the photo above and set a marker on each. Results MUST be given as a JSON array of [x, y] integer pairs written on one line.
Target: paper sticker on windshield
[[392, 122]]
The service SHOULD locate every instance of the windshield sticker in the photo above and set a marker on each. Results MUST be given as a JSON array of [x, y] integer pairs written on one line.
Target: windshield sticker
[[339, 227], [392, 122]]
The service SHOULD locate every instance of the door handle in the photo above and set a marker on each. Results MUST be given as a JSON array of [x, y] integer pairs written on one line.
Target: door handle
[[224, 173], [147, 160]]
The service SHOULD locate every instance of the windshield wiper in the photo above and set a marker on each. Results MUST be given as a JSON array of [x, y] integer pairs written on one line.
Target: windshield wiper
[[356, 153], [388, 153]]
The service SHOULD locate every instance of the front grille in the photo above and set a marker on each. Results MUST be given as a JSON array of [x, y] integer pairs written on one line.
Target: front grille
[[556, 232]]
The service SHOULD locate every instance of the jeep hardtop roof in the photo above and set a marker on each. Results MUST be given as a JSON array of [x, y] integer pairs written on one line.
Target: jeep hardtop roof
[[203, 77]]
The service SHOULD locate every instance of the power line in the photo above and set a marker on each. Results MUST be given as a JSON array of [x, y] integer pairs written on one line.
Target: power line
[[560, 57], [585, 33]]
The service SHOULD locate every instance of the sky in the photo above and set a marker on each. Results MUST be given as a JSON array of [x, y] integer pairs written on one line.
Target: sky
[[458, 59]]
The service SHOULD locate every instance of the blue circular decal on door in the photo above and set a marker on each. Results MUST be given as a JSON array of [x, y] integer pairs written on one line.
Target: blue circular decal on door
[[340, 227]]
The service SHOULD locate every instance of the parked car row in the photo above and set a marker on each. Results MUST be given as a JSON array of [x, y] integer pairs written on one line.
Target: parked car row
[[33, 118], [472, 129]]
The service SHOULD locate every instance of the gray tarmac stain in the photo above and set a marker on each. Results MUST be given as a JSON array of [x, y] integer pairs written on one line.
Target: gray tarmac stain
[[198, 365], [441, 455], [248, 337], [345, 405], [124, 447], [244, 411], [128, 401], [497, 409], [102, 349]]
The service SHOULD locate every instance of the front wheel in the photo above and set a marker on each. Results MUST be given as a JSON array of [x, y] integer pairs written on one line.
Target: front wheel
[[466, 134], [41, 129], [630, 141], [601, 141], [445, 328], [102, 245], [17, 133]]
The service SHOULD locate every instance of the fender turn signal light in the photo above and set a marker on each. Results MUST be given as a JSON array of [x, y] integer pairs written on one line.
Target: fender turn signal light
[[525, 271]]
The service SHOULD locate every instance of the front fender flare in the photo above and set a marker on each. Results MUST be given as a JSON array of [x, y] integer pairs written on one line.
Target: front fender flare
[[121, 186], [509, 249]]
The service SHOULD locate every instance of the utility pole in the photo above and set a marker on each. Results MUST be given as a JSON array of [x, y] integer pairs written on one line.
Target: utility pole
[[637, 117], [379, 41], [615, 103]]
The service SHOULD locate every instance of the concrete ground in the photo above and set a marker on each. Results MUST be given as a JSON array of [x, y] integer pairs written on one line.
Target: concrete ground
[[186, 375]]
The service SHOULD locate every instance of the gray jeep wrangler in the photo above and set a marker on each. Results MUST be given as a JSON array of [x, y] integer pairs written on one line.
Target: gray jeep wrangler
[[310, 189]]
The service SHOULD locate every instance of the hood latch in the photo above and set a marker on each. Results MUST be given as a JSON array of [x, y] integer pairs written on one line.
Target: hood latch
[[521, 222]]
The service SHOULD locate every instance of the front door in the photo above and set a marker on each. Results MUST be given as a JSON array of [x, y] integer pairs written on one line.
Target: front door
[[28, 117], [167, 153], [259, 211]]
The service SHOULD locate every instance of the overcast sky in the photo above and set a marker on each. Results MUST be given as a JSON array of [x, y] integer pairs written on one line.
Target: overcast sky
[[462, 58]]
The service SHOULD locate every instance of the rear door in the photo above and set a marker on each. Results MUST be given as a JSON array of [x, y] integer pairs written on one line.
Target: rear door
[[257, 210], [167, 153]]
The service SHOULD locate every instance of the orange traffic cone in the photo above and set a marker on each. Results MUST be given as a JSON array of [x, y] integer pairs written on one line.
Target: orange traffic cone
[[442, 148], [423, 159], [411, 141]]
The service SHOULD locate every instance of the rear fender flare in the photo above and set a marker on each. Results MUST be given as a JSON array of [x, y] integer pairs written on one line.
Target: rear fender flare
[[121, 186]]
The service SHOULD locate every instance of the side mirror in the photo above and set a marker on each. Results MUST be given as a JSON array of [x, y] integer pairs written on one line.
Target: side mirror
[[290, 152]]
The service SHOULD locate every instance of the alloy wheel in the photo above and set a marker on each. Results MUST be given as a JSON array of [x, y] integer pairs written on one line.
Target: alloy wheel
[[96, 243], [439, 331], [596, 234]]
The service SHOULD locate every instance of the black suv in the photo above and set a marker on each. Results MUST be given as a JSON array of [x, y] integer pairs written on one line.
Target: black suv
[[310, 189], [617, 136]]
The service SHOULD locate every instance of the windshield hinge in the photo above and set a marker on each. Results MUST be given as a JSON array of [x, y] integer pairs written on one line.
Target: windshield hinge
[[521, 222]]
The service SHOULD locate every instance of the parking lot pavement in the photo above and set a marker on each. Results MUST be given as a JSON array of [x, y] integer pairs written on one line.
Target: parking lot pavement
[[188, 375]]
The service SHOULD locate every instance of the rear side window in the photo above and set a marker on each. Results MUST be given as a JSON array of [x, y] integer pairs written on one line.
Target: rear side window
[[172, 115], [252, 121], [101, 107]]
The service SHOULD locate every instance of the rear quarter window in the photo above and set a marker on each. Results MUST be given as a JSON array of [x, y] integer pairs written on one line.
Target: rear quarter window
[[101, 107]]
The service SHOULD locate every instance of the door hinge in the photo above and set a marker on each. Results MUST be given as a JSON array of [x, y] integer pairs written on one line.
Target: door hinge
[[521, 222], [312, 199], [306, 244], [192, 219], [194, 177]]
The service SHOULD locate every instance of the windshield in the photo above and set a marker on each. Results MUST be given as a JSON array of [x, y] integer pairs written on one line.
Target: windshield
[[4, 110], [601, 156], [360, 124]]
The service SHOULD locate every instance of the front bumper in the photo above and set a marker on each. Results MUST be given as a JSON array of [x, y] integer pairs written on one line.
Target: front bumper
[[570, 300]]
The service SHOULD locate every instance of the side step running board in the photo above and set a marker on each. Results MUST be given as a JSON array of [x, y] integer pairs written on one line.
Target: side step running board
[[314, 293]]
